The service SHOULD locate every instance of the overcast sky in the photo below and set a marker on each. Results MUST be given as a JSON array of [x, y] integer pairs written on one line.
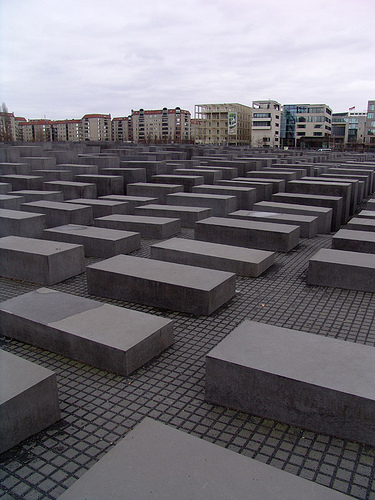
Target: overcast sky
[[63, 59]]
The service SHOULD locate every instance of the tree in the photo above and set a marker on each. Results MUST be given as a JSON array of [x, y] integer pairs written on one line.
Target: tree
[[5, 124]]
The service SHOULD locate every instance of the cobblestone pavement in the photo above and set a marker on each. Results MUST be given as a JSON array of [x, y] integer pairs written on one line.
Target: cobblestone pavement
[[99, 408]]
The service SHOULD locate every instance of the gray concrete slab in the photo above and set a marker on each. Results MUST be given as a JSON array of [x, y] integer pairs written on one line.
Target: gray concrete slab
[[324, 215], [226, 172], [78, 169], [130, 175], [148, 227], [172, 464], [105, 184], [5, 187], [152, 167], [28, 399], [18, 223], [187, 181], [317, 383], [308, 225], [132, 201], [221, 205], [333, 202], [39, 261], [11, 202], [354, 241], [108, 337], [101, 208], [342, 269], [238, 260], [325, 188], [54, 175], [40, 162], [14, 168], [35, 195], [210, 176], [72, 189], [153, 190], [354, 192], [274, 174], [361, 184], [356, 172], [361, 224], [97, 241], [59, 214], [277, 184], [249, 234], [23, 181], [366, 213], [263, 189], [161, 284], [246, 197], [188, 215]]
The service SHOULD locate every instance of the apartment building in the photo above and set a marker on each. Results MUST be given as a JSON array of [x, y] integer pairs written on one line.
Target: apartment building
[[223, 123], [306, 125], [266, 124], [35, 130], [161, 126], [121, 129], [7, 125], [370, 123], [67, 130], [97, 127]]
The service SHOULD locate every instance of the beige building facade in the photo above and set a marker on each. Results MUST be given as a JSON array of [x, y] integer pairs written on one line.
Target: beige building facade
[[161, 126], [223, 123], [266, 124]]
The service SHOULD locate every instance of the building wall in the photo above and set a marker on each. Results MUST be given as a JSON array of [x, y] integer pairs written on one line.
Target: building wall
[[307, 125], [224, 123], [266, 124], [161, 126], [96, 127], [120, 129], [370, 123]]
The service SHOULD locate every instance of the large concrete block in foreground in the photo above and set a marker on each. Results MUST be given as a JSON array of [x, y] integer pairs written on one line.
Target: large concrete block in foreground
[[97, 241], [188, 215], [161, 284], [324, 215], [160, 462], [317, 383], [11, 202], [59, 214], [308, 225], [354, 241], [249, 234], [221, 205], [18, 223], [148, 227], [39, 261], [362, 224], [28, 400], [238, 260], [108, 337], [342, 269]]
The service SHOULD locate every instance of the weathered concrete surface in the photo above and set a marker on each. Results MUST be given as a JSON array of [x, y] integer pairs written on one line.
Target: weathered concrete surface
[[18, 223], [132, 201], [174, 465], [109, 337], [354, 241], [317, 383], [161, 284], [28, 400], [246, 197], [148, 227], [221, 205], [59, 214], [238, 260], [188, 215]]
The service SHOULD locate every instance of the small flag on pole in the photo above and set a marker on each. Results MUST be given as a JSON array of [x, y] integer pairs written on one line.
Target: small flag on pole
[[351, 109]]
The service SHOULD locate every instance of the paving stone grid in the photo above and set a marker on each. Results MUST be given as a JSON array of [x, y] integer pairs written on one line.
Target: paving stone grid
[[99, 408]]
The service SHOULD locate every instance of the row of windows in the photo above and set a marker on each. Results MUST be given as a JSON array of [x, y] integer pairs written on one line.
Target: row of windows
[[262, 115]]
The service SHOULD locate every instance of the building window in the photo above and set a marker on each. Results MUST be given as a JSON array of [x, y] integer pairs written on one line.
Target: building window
[[262, 115], [262, 124]]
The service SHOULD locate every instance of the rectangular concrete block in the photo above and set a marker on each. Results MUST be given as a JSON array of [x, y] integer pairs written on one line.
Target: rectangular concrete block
[[72, 189], [318, 383], [361, 224], [78, 169], [324, 215], [54, 175], [263, 189], [11, 202], [161, 284], [132, 201], [18, 223], [148, 227], [38, 261], [246, 197], [153, 190], [188, 215], [105, 184], [238, 260], [174, 465], [14, 168], [209, 176], [59, 214], [249, 234], [101, 208], [187, 181], [354, 241], [308, 225], [29, 400], [97, 241], [35, 195], [23, 181], [221, 205], [108, 337], [333, 202], [5, 187], [342, 269]]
